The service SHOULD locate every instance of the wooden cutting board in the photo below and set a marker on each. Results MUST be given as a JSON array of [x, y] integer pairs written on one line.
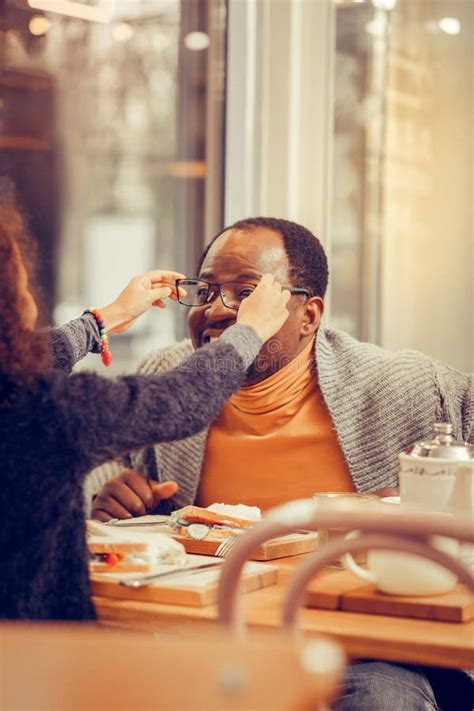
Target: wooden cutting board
[[198, 589], [294, 544], [282, 547], [343, 591]]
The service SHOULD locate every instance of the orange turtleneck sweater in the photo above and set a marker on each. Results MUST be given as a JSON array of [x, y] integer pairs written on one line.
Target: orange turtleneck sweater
[[274, 441]]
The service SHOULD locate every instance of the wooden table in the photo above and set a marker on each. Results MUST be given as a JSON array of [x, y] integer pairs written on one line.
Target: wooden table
[[362, 636]]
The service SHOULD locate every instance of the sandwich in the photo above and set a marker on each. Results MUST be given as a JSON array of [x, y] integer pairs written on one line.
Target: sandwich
[[110, 556], [218, 520], [127, 552]]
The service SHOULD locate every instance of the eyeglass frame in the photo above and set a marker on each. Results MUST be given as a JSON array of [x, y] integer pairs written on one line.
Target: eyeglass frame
[[296, 290]]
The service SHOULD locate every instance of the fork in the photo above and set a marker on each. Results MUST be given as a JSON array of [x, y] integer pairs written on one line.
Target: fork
[[224, 547]]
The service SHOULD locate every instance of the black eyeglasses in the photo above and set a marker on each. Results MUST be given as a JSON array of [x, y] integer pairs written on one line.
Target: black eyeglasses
[[199, 292]]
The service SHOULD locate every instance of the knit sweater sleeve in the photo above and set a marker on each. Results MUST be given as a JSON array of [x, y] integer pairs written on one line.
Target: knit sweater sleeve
[[102, 418], [153, 363], [72, 342], [457, 399]]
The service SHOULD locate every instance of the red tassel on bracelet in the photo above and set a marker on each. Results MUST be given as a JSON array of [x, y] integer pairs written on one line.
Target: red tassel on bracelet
[[105, 354]]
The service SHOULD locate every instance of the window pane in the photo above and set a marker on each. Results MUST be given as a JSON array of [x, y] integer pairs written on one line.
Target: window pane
[[403, 170], [105, 135]]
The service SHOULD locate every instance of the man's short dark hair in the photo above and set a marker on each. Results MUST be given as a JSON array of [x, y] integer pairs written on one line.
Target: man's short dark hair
[[306, 256]]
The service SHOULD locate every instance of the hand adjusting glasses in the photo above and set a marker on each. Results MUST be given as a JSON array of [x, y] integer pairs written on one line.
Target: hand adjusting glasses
[[198, 292]]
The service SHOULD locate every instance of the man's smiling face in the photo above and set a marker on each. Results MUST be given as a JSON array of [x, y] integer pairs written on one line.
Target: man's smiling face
[[239, 255]]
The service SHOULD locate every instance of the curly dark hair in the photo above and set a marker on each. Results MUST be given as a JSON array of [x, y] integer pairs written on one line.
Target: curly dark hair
[[23, 353], [306, 255]]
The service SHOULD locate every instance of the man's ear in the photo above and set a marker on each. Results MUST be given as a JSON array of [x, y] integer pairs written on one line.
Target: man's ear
[[313, 311]]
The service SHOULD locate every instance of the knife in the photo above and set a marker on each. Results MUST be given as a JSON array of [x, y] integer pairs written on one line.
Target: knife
[[121, 523], [146, 579]]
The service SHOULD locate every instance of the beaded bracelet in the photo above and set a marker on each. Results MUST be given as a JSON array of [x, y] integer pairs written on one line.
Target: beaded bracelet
[[105, 353]]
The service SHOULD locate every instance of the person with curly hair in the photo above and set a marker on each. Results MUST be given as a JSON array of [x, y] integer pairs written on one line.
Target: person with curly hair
[[55, 427]]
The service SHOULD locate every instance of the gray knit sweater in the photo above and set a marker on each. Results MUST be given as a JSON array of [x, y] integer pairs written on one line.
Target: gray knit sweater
[[380, 402]]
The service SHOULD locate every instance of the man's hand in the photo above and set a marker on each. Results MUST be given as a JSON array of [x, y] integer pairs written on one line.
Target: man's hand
[[130, 494]]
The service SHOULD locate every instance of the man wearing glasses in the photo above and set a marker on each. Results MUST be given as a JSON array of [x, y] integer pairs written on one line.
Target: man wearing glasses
[[319, 412], [279, 423]]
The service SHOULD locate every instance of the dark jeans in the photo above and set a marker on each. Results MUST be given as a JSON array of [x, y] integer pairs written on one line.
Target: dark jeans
[[380, 686]]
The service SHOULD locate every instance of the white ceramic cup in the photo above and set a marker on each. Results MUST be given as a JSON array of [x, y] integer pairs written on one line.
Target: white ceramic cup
[[399, 573], [440, 485]]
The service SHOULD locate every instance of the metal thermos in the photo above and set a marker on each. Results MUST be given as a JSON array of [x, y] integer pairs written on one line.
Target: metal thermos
[[438, 475]]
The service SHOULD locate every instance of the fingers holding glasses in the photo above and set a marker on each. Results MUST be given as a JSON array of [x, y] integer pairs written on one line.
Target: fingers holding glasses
[[162, 284], [265, 309], [138, 296], [158, 276]]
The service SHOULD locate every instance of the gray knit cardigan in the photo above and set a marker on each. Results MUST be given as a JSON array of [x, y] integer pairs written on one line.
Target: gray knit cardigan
[[380, 402]]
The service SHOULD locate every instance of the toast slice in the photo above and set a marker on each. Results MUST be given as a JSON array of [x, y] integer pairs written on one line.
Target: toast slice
[[112, 556], [196, 514]]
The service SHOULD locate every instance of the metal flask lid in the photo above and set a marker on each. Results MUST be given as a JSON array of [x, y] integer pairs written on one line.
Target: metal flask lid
[[442, 446]]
